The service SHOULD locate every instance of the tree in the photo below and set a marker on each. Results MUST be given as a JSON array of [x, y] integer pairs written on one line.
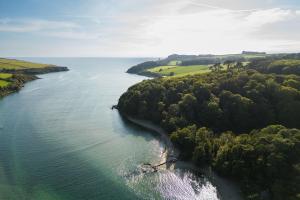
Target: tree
[[196, 110], [212, 68], [239, 66], [216, 67], [229, 64], [237, 111], [188, 106], [185, 139]]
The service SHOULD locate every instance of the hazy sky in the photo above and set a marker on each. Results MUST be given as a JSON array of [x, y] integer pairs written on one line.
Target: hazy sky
[[147, 27]]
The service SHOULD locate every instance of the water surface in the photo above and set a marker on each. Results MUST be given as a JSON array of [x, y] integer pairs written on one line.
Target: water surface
[[59, 139]]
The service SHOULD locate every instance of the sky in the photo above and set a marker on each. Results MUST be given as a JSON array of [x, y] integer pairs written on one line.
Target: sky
[[147, 28]]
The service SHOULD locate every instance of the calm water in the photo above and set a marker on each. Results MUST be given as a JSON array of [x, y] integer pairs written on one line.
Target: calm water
[[59, 139]]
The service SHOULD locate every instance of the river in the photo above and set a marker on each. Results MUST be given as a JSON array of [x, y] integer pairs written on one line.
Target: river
[[59, 139]]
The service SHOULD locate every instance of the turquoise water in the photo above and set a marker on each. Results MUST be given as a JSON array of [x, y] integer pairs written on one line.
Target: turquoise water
[[59, 139]]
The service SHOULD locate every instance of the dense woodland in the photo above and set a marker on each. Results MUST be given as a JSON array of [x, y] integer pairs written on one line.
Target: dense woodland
[[282, 66], [243, 121]]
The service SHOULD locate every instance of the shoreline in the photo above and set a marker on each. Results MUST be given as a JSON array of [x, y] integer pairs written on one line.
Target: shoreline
[[228, 189], [170, 151], [36, 71], [21, 77], [17, 82]]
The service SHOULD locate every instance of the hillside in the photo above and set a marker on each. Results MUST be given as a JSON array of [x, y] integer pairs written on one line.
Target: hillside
[[188, 64], [25, 67], [277, 66], [15, 73], [178, 65], [243, 122]]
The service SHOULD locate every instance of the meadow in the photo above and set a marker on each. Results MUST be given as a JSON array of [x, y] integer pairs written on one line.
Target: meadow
[[4, 83], [172, 70], [19, 64], [15, 73], [5, 75]]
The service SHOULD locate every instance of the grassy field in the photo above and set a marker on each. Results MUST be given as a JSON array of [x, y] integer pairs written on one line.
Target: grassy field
[[15, 73], [4, 83], [180, 70], [19, 64], [5, 75], [174, 62]]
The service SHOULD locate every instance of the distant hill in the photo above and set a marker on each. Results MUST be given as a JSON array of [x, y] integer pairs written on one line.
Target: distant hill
[[175, 62], [253, 53], [25, 67]]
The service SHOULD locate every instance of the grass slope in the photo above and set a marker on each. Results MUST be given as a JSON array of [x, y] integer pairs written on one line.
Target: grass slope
[[4, 83], [5, 75], [19, 64], [15, 73], [180, 70]]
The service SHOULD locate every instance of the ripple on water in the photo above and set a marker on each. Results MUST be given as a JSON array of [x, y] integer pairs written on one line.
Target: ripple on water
[[183, 184], [175, 184]]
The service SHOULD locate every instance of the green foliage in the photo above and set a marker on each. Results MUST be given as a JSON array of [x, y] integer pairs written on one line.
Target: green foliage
[[13, 82], [174, 62], [179, 70], [5, 75], [18, 64], [156, 68], [236, 101], [225, 120], [143, 66], [277, 66], [216, 67], [4, 83], [267, 158]]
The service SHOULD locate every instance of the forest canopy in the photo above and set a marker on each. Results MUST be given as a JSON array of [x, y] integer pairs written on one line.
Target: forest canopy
[[238, 101], [243, 123]]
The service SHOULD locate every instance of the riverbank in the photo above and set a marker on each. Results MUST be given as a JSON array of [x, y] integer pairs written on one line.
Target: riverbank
[[170, 152], [228, 189]]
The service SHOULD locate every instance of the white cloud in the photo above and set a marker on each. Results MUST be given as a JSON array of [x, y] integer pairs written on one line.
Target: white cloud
[[209, 31], [170, 26], [261, 17]]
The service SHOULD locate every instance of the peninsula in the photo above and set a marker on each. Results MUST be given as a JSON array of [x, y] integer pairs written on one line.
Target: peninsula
[[241, 117], [180, 65], [15, 73]]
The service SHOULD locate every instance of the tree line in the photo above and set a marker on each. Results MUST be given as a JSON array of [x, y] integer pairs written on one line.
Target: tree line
[[242, 122]]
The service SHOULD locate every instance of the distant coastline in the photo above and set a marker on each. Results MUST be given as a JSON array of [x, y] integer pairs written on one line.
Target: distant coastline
[[181, 65]]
